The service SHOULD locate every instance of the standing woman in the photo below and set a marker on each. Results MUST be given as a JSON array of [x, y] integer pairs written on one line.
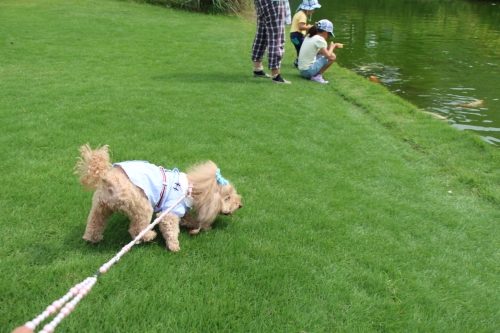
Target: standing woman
[[315, 55], [270, 35]]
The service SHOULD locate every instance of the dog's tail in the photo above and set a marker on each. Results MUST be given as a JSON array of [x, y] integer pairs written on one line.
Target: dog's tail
[[92, 166]]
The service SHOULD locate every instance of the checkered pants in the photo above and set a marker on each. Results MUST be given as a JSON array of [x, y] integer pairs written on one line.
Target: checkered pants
[[270, 32]]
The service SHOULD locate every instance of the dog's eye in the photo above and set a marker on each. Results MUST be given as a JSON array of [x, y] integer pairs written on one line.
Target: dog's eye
[[227, 198]]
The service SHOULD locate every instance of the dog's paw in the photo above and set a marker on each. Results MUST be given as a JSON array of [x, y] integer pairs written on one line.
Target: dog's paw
[[174, 247], [149, 236], [194, 231], [93, 238]]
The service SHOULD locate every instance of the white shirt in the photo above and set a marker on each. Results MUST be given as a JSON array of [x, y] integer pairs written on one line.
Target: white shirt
[[309, 50]]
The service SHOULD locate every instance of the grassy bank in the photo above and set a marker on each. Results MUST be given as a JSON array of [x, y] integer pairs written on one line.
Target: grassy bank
[[361, 213], [231, 7]]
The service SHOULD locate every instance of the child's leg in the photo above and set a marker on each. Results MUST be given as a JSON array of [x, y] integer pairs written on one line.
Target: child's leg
[[297, 48], [297, 38], [321, 65], [317, 68], [331, 60]]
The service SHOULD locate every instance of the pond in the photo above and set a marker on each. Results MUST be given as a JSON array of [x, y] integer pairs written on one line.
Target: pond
[[441, 55]]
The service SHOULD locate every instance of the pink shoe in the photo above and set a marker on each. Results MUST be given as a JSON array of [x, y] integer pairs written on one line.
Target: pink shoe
[[319, 78]]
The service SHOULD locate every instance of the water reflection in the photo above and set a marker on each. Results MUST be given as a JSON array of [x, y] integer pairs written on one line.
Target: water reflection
[[443, 56]]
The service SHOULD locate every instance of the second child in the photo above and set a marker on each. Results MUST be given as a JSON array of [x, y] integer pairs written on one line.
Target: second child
[[299, 27]]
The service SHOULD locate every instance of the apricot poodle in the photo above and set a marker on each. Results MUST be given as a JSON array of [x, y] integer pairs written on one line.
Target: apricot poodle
[[138, 189]]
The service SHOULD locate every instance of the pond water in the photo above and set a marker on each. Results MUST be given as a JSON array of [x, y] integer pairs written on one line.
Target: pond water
[[441, 55]]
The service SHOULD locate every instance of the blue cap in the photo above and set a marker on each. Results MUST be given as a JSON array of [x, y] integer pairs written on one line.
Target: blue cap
[[325, 25]]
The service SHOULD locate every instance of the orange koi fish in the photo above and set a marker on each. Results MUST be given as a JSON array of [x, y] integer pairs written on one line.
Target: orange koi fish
[[474, 104]]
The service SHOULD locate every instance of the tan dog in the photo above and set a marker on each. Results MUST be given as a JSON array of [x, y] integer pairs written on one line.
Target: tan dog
[[139, 189]]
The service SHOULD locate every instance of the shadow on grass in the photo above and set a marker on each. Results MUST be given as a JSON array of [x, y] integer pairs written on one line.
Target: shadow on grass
[[213, 77], [116, 236]]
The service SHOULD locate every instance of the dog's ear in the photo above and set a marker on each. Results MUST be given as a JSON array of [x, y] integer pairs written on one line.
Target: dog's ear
[[217, 199], [208, 210]]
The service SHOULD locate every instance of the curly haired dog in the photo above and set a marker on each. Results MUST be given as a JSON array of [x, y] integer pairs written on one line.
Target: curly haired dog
[[138, 189]]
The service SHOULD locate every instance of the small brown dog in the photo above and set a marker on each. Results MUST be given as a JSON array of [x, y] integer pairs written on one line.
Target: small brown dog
[[138, 189]]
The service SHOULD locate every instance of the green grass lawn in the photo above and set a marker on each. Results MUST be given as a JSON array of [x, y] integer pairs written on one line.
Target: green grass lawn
[[361, 213]]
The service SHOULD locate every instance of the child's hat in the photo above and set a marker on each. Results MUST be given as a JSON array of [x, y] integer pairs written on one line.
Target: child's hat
[[325, 25], [309, 5]]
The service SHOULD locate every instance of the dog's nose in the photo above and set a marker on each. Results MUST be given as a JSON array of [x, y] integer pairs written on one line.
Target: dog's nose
[[241, 205]]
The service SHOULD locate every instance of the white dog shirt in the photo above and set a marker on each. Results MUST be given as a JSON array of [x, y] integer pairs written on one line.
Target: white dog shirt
[[162, 187]]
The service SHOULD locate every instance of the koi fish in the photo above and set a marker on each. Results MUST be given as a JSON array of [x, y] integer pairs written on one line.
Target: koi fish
[[374, 79], [435, 115], [474, 104]]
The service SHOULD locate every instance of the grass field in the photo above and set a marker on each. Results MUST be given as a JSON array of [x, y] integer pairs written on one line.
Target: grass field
[[361, 213]]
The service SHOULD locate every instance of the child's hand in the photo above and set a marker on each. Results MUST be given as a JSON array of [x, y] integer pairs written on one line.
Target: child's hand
[[339, 45]]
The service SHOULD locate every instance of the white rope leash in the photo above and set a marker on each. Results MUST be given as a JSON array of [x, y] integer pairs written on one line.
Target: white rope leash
[[81, 289]]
